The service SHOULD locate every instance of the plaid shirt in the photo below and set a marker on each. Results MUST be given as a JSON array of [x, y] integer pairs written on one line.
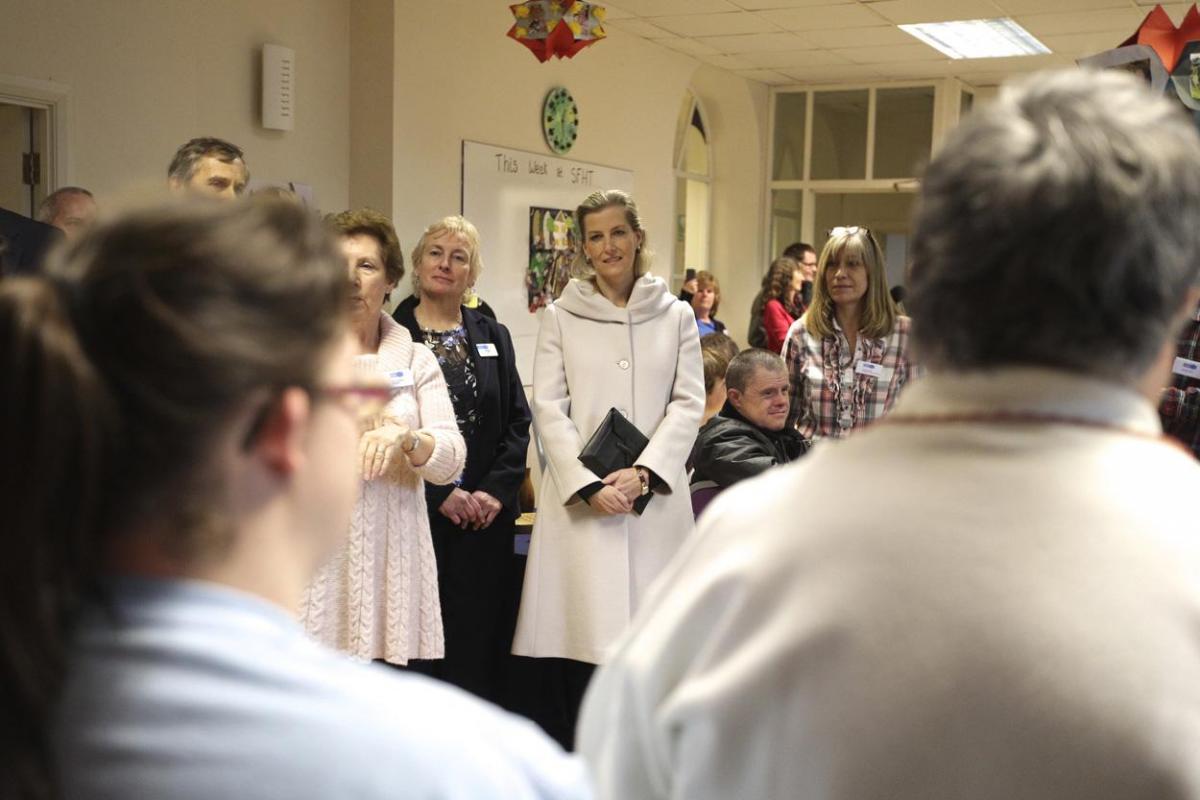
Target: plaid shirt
[[829, 396], [1179, 409]]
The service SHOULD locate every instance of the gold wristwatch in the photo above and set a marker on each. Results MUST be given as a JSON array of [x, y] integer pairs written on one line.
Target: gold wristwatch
[[644, 478]]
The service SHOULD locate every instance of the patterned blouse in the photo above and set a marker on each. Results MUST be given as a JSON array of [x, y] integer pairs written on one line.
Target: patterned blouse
[[832, 394], [452, 350]]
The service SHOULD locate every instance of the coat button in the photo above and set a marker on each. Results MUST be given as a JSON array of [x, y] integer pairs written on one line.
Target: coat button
[[623, 364], [624, 412]]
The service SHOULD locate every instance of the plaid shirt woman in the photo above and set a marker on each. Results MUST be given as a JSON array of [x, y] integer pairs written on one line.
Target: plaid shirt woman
[[842, 381]]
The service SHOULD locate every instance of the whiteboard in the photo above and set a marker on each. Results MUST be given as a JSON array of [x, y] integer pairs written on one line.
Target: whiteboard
[[499, 188]]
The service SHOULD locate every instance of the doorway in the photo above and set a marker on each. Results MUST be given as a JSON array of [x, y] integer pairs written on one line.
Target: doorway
[[23, 157]]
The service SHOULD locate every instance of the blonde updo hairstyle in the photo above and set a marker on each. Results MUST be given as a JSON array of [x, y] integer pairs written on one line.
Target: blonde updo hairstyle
[[598, 201]]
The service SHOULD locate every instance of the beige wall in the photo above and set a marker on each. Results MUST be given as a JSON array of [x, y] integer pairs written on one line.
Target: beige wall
[[147, 75], [381, 122], [467, 80]]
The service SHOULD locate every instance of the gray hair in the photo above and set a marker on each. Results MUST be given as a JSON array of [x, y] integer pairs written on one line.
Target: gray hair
[[747, 363], [183, 164], [1057, 227], [48, 208]]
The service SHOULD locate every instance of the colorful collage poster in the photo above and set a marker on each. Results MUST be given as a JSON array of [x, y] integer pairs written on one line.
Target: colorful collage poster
[[552, 240]]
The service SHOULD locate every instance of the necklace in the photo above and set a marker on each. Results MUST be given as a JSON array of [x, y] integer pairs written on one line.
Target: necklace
[[429, 329], [1026, 418]]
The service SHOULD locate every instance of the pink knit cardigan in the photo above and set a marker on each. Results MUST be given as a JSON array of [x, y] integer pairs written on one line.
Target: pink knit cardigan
[[377, 598]]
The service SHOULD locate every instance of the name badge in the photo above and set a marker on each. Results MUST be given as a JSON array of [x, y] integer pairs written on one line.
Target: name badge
[[1187, 368], [869, 368], [400, 378], [487, 350]]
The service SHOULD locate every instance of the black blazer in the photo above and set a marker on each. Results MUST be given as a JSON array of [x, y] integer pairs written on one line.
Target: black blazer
[[26, 242], [497, 452]]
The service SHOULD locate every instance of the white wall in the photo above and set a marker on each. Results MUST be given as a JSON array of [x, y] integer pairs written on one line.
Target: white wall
[[147, 75]]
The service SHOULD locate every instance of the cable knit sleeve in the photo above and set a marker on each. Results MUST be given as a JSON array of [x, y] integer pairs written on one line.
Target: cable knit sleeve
[[437, 419]]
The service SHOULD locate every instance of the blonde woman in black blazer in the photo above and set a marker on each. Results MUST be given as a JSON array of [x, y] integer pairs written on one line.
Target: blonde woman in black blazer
[[472, 521]]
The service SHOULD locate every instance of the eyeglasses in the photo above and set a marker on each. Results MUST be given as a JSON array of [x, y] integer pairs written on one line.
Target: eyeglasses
[[364, 403], [848, 230]]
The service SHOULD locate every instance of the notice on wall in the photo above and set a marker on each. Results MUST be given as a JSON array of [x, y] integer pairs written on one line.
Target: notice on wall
[[523, 205]]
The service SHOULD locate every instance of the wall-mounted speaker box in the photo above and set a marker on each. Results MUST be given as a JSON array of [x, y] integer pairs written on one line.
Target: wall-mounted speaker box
[[278, 87]]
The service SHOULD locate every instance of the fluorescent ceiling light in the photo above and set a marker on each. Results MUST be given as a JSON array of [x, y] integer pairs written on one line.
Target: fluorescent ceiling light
[[977, 38]]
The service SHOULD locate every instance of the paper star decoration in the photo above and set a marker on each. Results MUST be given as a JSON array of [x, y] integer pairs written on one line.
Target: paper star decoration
[[1160, 34], [559, 28]]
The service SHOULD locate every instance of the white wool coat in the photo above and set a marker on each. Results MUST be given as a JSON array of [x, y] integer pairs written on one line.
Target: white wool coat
[[587, 573], [377, 598]]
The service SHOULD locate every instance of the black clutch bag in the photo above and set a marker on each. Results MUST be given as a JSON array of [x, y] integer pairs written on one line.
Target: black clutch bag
[[616, 444]]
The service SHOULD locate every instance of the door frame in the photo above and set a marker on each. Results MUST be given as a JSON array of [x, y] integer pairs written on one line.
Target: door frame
[[55, 100]]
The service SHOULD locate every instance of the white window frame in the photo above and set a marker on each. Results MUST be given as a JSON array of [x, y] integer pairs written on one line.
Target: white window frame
[[695, 105], [947, 100]]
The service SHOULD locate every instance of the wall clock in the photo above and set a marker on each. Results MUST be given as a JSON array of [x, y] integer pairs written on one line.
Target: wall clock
[[560, 120]]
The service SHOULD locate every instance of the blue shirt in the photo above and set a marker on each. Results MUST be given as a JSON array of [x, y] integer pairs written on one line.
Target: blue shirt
[[706, 327], [191, 690]]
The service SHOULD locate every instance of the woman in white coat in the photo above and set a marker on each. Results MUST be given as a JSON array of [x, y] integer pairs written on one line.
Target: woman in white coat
[[616, 338]]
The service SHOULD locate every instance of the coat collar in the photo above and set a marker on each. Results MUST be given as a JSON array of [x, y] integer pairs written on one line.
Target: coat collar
[[1035, 390], [649, 299]]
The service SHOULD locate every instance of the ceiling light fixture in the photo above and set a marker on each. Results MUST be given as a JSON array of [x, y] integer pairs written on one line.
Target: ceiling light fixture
[[977, 38]]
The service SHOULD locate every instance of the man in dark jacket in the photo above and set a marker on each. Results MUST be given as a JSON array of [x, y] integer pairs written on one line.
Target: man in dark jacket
[[750, 434], [25, 243]]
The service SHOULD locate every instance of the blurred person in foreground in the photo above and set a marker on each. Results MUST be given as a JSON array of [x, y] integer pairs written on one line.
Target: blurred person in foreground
[[995, 592], [180, 447]]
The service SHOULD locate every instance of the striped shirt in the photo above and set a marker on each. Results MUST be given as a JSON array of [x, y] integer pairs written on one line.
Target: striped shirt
[[1179, 409], [832, 392]]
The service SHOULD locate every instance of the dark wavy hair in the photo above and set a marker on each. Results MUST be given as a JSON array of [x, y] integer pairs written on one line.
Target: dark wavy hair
[[779, 277]]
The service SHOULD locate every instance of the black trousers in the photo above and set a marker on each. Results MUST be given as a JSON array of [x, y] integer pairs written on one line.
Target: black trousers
[[475, 573], [549, 691]]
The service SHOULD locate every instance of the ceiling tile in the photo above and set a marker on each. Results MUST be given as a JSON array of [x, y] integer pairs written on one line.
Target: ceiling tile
[[1012, 7], [1124, 20], [891, 52], [1012, 65], [820, 17], [859, 37], [908, 11], [765, 76], [763, 5], [693, 47], [794, 59], [756, 42], [658, 8], [729, 62], [739, 22], [849, 72], [638, 27], [612, 12], [915, 70], [1079, 45]]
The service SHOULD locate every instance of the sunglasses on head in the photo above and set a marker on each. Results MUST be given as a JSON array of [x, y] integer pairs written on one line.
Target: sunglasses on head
[[848, 230]]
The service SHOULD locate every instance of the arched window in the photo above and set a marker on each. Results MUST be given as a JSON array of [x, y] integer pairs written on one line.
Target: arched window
[[693, 189]]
